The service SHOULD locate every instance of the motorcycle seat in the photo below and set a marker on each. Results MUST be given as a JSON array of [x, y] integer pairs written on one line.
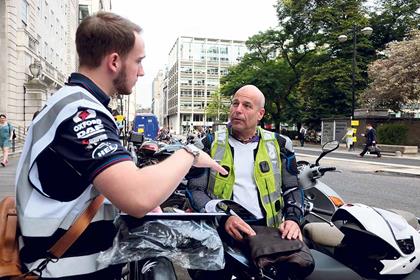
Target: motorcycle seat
[[323, 234], [409, 217], [328, 268]]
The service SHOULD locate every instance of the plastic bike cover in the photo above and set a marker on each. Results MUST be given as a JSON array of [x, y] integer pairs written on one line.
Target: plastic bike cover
[[190, 244]]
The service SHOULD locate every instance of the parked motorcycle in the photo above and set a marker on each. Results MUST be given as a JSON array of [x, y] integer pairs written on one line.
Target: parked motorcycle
[[348, 241], [373, 243]]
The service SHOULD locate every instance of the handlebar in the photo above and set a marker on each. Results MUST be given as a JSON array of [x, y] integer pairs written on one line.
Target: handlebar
[[326, 169], [322, 211]]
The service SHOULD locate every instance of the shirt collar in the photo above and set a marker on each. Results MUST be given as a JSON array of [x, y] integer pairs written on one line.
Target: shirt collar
[[253, 139], [86, 83]]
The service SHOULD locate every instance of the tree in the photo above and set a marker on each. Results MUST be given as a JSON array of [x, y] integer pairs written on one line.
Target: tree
[[392, 20], [217, 108], [326, 83], [395, 79]]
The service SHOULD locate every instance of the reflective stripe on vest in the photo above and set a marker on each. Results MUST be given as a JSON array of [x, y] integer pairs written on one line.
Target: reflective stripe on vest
[[268, 182], [40, 216]]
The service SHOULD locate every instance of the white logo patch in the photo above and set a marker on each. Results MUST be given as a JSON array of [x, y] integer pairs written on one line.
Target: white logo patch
[[90, 131], [104, 149], [85, 124], [84, 115]]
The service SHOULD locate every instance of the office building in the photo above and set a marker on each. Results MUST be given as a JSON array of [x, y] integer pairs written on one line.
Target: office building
[[194, 70]]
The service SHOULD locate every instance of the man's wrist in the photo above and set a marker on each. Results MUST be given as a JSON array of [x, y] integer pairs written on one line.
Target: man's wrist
[[192, 150]]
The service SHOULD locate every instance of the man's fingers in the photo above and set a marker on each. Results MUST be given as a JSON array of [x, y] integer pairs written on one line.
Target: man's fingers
[[204, 160], [219, 168]]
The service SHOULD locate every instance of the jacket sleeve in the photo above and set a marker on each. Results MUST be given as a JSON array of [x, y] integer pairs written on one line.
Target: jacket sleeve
[[197, 187], [292, 192]]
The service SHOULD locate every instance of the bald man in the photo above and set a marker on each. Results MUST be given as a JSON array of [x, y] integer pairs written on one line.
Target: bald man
[[262, 171]]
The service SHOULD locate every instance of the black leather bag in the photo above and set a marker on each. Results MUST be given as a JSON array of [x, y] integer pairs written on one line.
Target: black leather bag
[[268, 249]]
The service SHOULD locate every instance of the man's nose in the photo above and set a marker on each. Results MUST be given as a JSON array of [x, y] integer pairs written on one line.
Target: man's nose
[[140, 71]]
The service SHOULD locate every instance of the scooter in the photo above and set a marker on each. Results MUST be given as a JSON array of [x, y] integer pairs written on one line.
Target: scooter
[[365, 242], [348, 241]]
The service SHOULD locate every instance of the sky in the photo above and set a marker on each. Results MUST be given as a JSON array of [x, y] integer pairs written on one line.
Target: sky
[[163, 21]]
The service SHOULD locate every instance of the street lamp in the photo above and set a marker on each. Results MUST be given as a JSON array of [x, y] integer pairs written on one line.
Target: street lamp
[[367, 31]]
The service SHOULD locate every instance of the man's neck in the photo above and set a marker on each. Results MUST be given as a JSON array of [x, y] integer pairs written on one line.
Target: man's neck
[[98, 78], [242, 136]]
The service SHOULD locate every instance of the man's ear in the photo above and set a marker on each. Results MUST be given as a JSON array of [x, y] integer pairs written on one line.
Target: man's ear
[[113, 62], [261, 113]]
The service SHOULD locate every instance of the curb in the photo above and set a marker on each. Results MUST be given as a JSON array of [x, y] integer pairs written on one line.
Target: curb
[[398, 173]]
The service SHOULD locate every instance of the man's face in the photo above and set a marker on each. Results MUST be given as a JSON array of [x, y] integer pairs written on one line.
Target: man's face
[[131, 68], [2, 119], [245, 111]]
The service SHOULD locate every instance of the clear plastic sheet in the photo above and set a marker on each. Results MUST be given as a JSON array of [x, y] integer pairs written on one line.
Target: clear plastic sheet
[[190, 244]]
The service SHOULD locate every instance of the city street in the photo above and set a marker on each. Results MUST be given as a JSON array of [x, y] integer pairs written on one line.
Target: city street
[[372, 181], [388, 182]]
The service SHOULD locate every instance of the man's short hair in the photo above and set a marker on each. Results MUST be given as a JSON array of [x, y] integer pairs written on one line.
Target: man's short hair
[[2, 116], [104, 33]]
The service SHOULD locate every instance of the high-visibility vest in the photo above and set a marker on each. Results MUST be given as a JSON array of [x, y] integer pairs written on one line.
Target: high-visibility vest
[[267, 173], [40, 216]]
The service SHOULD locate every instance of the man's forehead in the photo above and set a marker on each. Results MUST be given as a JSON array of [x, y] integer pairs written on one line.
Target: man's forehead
[[245, 97]]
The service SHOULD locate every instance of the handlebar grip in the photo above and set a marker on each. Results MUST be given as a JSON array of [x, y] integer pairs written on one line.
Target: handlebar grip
[[322, 211], [326, 169]]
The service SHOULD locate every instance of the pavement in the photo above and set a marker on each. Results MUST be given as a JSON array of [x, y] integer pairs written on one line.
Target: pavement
[[407, 165]]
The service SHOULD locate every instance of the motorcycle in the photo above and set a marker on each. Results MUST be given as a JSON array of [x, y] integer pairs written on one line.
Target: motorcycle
[[370, 242], [347, 241]]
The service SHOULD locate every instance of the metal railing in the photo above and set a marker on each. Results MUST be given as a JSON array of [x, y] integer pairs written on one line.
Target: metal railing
[[17, 143]]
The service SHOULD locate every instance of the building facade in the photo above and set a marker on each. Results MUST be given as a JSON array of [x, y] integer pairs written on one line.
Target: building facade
[[37, 34], [157, 96], [194, 70]]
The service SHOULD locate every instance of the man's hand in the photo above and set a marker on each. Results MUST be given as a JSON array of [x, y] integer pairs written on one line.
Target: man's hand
[[290, 229], [236, 228], [204, 160]]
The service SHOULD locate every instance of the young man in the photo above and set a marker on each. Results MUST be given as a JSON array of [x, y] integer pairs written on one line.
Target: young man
[[73, 153], [262, 171]]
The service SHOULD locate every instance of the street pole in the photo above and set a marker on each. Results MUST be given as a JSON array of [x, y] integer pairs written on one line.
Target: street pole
[[353, 73]]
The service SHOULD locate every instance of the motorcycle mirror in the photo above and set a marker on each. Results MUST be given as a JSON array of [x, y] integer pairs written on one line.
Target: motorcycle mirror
[[327, 148], [330, 146]]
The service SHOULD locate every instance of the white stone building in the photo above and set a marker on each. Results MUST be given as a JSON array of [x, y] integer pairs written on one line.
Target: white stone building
[[40, 33]]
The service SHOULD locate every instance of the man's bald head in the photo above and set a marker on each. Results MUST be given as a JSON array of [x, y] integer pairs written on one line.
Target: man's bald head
[[254, 91]]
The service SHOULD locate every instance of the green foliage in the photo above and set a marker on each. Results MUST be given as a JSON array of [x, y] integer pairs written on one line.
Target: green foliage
[[217, 108], [392, 20], [393, 134], [301, 67], [395, 78]]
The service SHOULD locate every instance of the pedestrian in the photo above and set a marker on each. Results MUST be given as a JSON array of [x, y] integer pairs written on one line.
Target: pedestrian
[[302, 133], [348, 137], [73, 153], [370, 142], [6, 138]]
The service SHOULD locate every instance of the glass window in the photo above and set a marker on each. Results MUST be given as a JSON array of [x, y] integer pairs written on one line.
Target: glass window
[[212, 82], [212, 71], [224, 71], [186, 51], [24, 12], [83, 12], [185, 82], [199, 82], [198, 117], [198, 92], [186, 69]]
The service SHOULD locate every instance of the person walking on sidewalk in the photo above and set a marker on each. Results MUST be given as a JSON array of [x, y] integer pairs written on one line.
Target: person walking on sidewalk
[[370, 142], [6, 136], [302, 134], [72, 154]]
